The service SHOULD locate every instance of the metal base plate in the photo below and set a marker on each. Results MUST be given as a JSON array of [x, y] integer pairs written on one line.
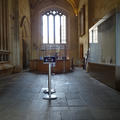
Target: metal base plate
[[46, 91], [47, 97]]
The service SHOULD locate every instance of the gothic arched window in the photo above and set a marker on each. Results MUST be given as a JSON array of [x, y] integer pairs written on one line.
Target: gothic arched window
[[4, 40], [54, 27]]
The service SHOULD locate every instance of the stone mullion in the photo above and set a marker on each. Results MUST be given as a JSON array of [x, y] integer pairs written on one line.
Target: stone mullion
[[1, 27], [4, 24], [60, 31], [48, 28], [54, 28], [6, 14]]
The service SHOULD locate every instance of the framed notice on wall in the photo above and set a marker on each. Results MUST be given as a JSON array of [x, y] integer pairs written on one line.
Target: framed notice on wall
[[82, 21]]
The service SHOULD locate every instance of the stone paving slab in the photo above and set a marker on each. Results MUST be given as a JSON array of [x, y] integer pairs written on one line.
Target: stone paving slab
[[80, 97]]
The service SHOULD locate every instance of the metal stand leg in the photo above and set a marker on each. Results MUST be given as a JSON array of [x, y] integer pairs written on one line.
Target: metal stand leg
[[46, 91], [49, 96]]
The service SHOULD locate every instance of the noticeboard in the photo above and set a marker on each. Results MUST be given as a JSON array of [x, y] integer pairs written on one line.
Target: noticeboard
[[48, 60]]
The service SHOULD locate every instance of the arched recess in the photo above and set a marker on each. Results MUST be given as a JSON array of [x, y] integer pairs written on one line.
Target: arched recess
[[26, 41]]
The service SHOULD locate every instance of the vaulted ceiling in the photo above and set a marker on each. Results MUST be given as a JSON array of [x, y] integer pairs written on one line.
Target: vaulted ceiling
[[73, 3]]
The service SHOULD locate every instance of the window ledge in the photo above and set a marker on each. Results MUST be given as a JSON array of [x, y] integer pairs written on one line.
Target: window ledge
[[5, 66]]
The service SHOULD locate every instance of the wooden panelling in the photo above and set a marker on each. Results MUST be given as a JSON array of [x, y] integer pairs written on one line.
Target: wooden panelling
[[105, 73], [60, 67]]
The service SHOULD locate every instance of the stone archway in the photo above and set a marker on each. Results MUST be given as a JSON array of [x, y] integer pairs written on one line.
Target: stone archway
[[25, 42]]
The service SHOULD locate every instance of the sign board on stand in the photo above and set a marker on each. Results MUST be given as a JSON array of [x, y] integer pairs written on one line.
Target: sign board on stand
[[49, 96]]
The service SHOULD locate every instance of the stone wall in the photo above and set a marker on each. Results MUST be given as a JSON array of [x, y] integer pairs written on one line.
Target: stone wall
[[24, 32], [37, 27], [16, 30], [109, 32], [83, 39], [12, 35], [99, 8], [95, 11]]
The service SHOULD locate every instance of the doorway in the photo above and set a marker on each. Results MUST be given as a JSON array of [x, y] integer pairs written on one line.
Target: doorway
[[25, 55], [81, 51]]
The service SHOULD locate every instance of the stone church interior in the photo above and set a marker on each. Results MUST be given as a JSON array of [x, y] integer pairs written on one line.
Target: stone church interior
[[59, 59]]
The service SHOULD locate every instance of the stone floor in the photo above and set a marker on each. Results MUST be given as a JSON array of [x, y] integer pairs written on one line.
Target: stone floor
[[80, 97]]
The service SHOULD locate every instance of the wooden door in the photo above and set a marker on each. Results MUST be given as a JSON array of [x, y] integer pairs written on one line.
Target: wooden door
[[81, 51]]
